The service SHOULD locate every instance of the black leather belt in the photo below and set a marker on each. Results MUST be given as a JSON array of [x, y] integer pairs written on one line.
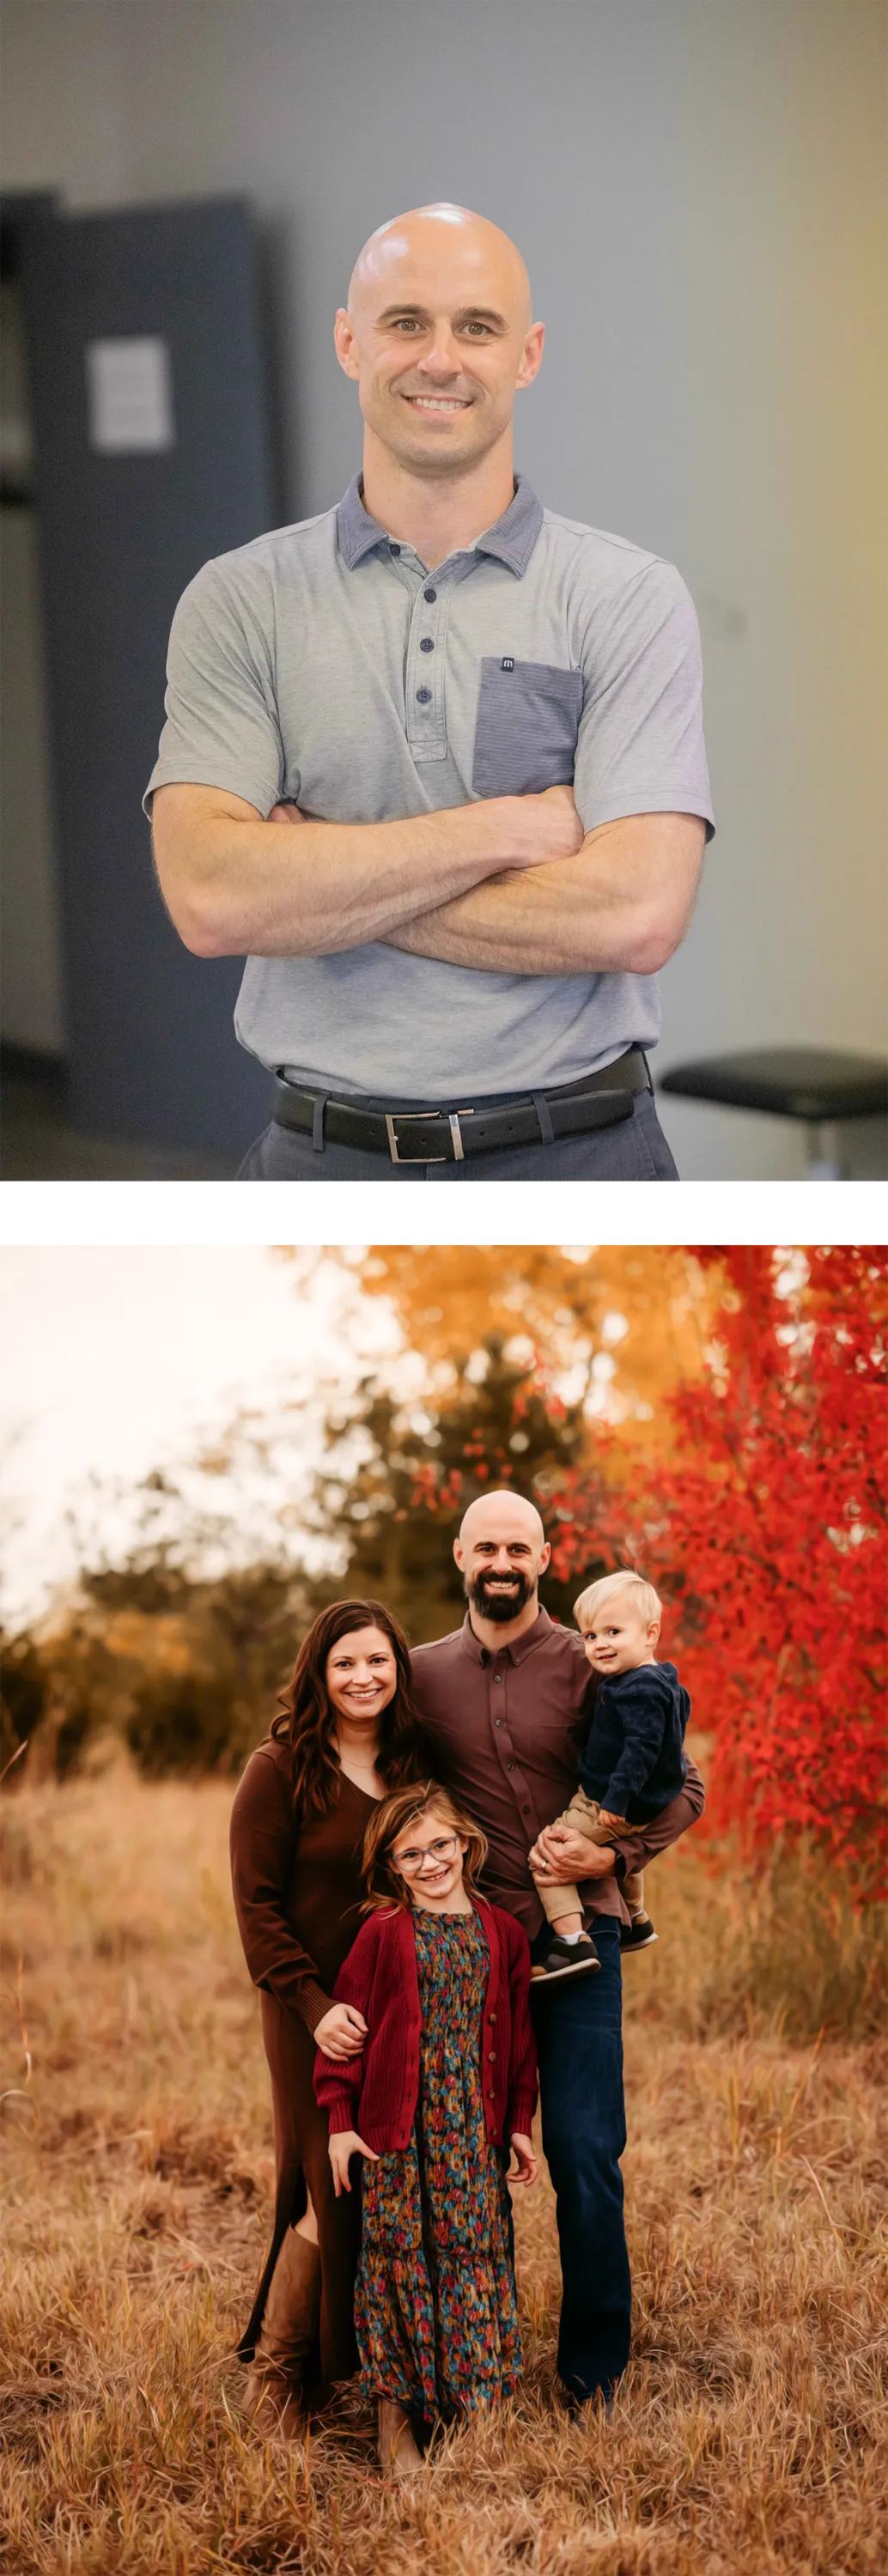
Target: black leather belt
[[441, 1135]]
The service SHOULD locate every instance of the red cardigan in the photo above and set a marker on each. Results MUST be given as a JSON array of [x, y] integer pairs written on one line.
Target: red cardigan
[[382, 2083]]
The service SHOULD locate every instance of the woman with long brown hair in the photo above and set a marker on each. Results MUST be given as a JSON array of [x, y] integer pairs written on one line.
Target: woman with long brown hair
[[345, 1738]]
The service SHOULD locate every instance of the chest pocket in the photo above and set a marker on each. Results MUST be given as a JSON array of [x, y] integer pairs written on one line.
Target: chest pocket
[[526, 730]]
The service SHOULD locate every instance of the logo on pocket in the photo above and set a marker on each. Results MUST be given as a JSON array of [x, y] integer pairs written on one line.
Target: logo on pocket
[[525, 734]]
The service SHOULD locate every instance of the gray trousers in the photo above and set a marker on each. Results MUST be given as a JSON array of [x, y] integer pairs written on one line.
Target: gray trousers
[[635, 1150]]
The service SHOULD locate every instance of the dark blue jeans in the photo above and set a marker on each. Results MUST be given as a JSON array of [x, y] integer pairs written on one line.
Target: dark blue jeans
[[579, 2036]]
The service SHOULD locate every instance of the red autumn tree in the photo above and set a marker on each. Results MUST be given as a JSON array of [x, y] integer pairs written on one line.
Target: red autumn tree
[[764, 1529]]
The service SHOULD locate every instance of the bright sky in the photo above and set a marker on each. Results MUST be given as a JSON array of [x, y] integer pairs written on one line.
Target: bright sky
[[118, 1358]]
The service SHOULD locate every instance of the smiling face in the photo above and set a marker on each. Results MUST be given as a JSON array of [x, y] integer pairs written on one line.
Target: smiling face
[[429, 1854], [361, 1676], [618, 1638], [501, 1552], [438, 337]]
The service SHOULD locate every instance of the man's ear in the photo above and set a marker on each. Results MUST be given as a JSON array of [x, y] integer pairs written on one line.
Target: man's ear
[[545, 1554], [459, 1553], [344, 344]]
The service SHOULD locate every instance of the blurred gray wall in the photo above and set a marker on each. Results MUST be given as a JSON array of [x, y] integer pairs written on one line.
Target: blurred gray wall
[[698, 187], [31, 999]]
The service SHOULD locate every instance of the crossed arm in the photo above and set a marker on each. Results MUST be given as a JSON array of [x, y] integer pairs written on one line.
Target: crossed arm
[[621, 902], [506, 885]]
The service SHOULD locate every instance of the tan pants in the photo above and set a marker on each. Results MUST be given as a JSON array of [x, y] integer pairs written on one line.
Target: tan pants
[[582, 1816]]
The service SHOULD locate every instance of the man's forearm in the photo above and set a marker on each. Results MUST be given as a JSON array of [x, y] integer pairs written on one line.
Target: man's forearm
[[635, 1849], [234, 883], [620, 906]]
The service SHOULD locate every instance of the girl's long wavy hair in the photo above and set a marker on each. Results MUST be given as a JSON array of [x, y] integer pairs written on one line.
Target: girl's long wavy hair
[[384, 1883], [307, 1719]]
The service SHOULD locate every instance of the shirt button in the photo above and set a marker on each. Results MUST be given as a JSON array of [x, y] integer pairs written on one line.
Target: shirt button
[[491, 2057], [423, 696], [430, 595], [510, 1767], [394, 550], [496, 1679], [427, 643], [497, 1721]]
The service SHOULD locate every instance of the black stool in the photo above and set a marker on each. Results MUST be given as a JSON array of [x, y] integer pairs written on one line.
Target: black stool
[[814, 1084]]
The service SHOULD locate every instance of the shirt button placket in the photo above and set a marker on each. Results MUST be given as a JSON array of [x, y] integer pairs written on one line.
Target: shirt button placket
[[499, 1708], [425, 675]]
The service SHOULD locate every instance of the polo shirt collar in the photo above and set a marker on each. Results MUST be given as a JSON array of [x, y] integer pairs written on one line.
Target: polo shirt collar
[[523, 1645], [511, 540]]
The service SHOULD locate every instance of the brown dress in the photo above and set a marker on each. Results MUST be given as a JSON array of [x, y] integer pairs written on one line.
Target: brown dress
[[297, 1894]]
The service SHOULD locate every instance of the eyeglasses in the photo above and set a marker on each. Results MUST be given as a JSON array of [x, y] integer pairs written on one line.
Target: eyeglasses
[[411, 1861]]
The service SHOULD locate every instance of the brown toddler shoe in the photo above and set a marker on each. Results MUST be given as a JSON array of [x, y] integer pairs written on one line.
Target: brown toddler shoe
[[577, 1958]]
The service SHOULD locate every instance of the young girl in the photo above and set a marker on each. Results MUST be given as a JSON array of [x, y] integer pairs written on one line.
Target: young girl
[[446, 2075]]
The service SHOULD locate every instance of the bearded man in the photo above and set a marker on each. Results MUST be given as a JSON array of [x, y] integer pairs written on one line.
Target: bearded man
[[506, 1701]]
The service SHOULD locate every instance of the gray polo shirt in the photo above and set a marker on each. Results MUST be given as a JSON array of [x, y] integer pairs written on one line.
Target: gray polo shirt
[[324, 664]]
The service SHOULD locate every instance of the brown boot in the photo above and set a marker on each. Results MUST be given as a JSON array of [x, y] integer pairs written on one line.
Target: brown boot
[[276, 2410], [398, 2455], [274, 2393]]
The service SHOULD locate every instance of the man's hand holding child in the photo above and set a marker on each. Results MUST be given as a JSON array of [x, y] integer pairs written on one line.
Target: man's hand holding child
[[560, 1856]]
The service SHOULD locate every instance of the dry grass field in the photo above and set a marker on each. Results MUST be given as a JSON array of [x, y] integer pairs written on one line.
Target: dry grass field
[[137, 2181]]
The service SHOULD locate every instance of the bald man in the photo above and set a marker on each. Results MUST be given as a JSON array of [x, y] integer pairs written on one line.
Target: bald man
[[506, 1702], [479, 723]]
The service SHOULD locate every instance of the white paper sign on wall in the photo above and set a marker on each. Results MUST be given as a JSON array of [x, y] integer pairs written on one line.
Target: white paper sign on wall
[[129, 385]]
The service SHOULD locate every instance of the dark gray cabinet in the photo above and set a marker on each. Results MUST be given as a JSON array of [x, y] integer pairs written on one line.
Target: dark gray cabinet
[[147, 376]]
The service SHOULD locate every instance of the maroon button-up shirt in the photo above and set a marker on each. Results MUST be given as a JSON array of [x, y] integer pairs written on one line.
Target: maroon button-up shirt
[[506, 1729]]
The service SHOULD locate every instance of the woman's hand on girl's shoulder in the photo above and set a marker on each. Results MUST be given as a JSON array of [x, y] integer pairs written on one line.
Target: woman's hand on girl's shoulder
[[526, 2166], [344, 2144]]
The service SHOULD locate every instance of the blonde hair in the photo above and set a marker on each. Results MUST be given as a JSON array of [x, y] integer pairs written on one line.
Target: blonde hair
[[384, 1883], [645, 1600]]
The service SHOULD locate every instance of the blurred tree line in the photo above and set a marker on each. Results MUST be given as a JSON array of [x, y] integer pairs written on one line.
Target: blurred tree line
[[184, 1668], [517, 1356]]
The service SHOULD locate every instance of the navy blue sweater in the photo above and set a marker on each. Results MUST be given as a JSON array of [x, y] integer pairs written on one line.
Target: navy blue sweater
[[632, 1760]]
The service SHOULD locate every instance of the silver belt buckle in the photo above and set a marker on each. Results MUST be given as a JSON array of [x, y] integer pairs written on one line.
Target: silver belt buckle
[[453, 1116]]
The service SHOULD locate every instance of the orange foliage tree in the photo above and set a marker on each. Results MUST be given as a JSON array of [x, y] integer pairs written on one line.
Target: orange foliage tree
[[622, 1324]]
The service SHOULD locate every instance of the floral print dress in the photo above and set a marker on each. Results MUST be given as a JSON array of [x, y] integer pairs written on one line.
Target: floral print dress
[[435, 2305]]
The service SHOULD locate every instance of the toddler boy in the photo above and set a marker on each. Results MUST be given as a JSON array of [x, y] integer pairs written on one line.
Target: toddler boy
[[632, 1764]]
